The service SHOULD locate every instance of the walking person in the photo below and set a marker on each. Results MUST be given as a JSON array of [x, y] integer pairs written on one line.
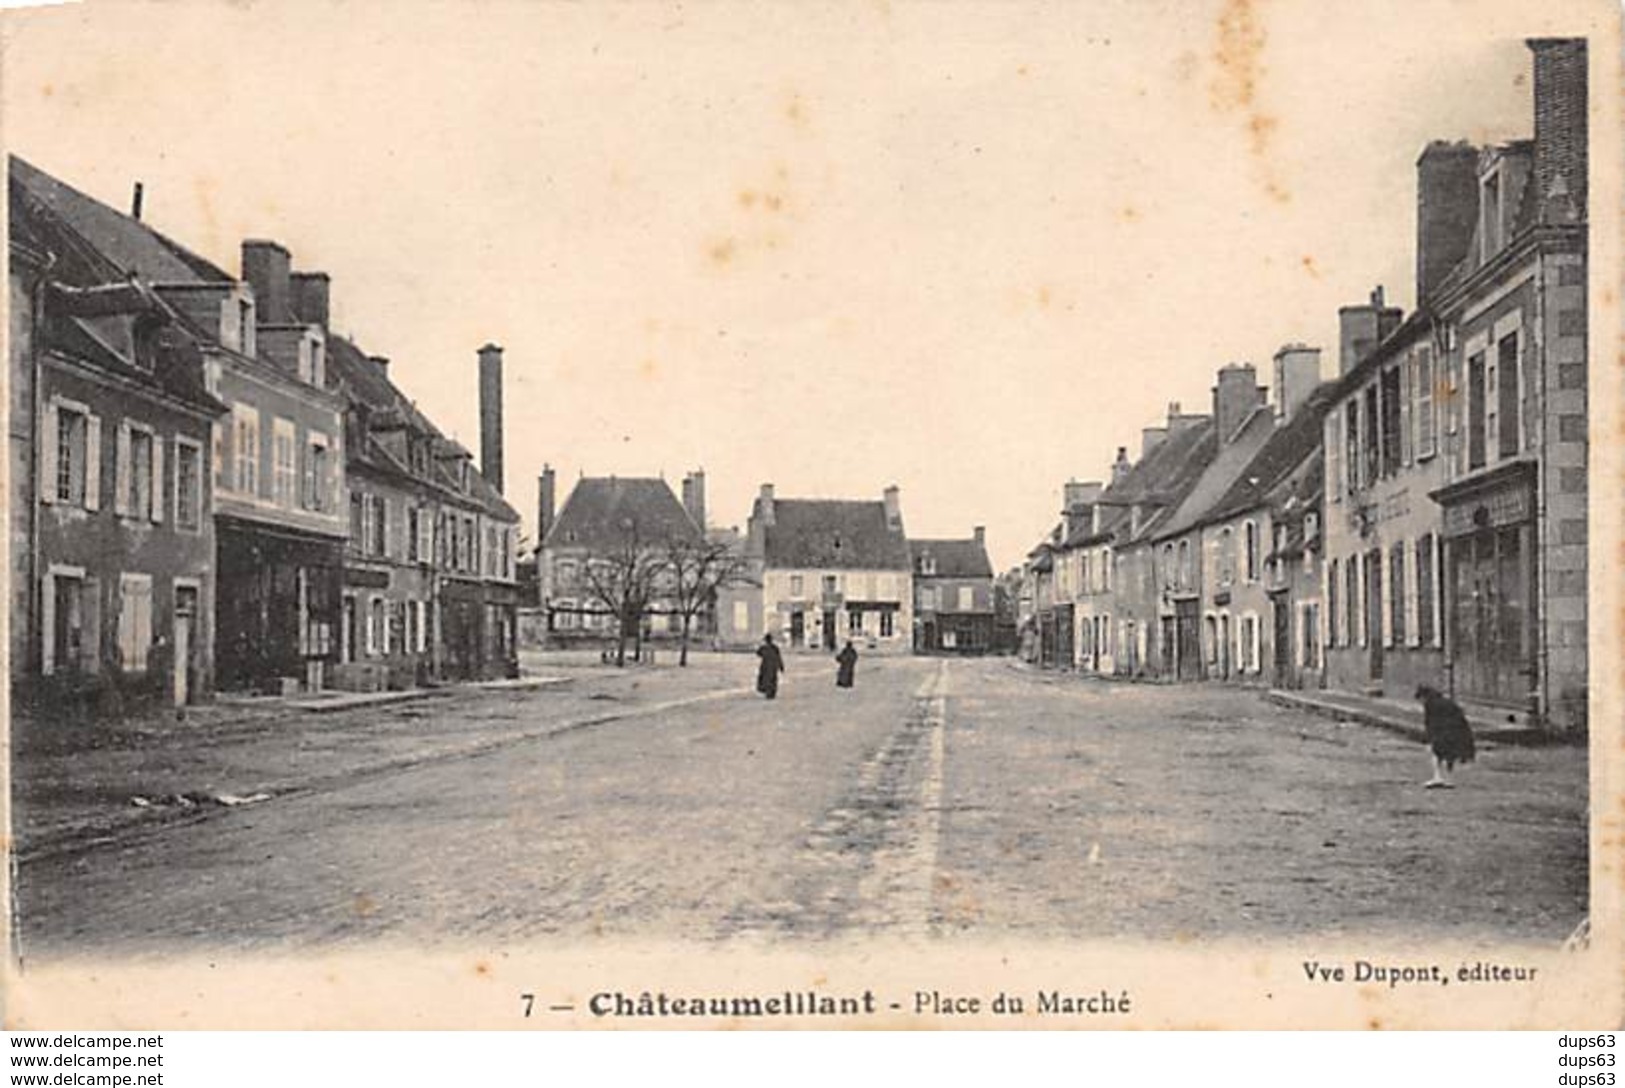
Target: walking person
[[767, 673], [846, 665], [1448, 734]]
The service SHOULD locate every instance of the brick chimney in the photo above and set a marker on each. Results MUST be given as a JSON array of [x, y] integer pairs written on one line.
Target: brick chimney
[[894, 509], [266, 268], [491, 414], [1179, 421], [1078, 500], [1361, 328], [1297, 373], [1121, 466], [1561, 150], [545, 498], [381, 362], [1446, 209], [1234, 397], [694, 497], [979, 534], [764, 505], [309, 293]]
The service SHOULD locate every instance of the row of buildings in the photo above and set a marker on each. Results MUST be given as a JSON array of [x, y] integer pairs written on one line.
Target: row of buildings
[[810, 572], [211, 488], [1419, 517]]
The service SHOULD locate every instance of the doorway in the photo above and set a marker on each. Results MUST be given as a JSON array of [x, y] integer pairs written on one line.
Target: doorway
[[185, 619], [798, 629]]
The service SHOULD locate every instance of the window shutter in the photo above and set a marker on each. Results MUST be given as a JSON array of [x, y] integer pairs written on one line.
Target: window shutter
[[50, 426], [93, 463], [158, 488], [1407, 396], [121, 473], [48, 615]]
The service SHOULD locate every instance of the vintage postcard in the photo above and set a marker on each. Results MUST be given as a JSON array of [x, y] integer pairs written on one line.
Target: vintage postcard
[[814, 515]]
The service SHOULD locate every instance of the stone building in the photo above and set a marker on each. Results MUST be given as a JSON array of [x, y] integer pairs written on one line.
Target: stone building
[[953, 595], [112, 541]]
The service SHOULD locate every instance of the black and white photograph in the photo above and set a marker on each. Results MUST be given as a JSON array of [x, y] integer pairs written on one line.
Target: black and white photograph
[[844, 515]]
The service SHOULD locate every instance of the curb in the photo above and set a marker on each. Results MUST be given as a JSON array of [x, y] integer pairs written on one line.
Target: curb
[[1524, 738]]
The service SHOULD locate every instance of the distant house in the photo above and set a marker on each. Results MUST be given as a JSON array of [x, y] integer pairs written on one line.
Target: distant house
[[954, 603], [112, 538], [827, 570], [604, 519]]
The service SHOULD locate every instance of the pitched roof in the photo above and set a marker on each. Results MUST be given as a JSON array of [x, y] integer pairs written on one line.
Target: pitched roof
[[127, 242], [600, 508], [1218, 474], [1281, 456], [839, 534], [953, 558]]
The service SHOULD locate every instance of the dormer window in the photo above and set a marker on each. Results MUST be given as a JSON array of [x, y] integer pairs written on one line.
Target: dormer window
[[313, 361], [928, 565], [245, 326]]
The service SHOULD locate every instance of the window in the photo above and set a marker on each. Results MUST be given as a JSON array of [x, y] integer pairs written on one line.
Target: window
[[1426, 425], [1248, 650], [1334, 456], [414, 632], [1396, 595], [71, 456], [414, 522], [1475, 410], [928, 564], [1389, 394], [1372, 442], [138, 464], [314, 493], [831, 585], [1426, 627], [1332, 572], [1352, 632], [222, 435], [1351, 442], [188, 484], [134, 621], [1250, 550], [69, 644], [378, 529], [282, 462], [1185, 579], [1490, 218], [1106, 570], [854, 622], [741, 616], [1168, 570], [967, 598], [1507, 374], [564, 617], [1309, 622], [246, 421], [928, 598], [888, 624], [358, 521], [245, 326], [1227, 556], [376, 628]]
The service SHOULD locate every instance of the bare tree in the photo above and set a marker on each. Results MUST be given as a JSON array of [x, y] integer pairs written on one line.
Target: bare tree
[[695, 569], [621, 578]]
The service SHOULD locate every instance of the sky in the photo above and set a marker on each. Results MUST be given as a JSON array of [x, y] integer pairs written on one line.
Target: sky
[[967, 249]]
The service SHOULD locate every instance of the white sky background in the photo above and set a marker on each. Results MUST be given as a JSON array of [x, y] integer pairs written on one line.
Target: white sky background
[[967, 249]]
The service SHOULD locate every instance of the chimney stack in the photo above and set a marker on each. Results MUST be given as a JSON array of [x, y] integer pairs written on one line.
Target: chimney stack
[[694, 496], [381, 362], [764, 505], [135, 203], [491, 414], [310, 293], [1121, 466], [980, 534], [1234, 397], [894, 509], [1297, 374], [1362, 328], [544, 504], [1561, 150], [1446, 211], [266, 268]]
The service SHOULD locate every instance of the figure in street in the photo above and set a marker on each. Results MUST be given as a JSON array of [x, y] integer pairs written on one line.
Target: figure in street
[[1448, 734], [846, 665], [767, 673]]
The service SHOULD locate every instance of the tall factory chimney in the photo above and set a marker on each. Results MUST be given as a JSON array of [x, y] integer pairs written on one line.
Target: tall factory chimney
[[491, 414]]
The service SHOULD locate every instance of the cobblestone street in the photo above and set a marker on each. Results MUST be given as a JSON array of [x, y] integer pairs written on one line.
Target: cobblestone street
[[940, 798]]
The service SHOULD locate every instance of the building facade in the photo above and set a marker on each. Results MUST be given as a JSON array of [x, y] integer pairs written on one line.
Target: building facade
[[828, 570], [954, 603]]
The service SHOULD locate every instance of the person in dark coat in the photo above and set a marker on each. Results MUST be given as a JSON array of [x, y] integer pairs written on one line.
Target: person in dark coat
[[767, 673], [846, 664], [1448, 734]]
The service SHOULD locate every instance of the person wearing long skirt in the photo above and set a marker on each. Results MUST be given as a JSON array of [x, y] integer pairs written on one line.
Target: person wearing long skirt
[[1448, 735], [767, 672], [846, 665]]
